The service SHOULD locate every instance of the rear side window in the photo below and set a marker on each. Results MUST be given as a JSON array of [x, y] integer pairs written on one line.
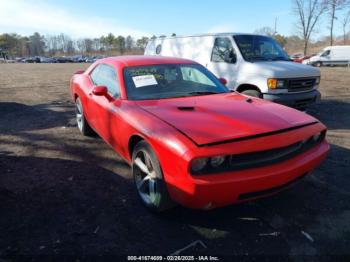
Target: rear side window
[[105, 75], [326, 53], [222, 48]]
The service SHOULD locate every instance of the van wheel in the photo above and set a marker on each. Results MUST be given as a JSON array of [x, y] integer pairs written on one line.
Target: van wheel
[[253, 93], [148, 178], [318, 64]]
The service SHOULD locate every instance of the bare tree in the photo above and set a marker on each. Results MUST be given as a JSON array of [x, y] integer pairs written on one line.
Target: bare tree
[[96, 43], [345, 23], [308, 13], [57, 45], [70, 47], [51, 44], [333, 7], [88, 43], [119, 43], [266, 30], [36, 44], [129, 42]]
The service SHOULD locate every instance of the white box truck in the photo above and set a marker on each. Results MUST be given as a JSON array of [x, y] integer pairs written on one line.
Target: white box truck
[[331, 55], [254, 65]]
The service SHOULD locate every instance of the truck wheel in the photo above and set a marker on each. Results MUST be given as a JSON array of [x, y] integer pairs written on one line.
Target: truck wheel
[[318, 64], [148, 178], [83, 125], [253, 93]]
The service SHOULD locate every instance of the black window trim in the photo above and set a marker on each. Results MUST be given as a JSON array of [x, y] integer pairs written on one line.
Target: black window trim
[[212, 51]]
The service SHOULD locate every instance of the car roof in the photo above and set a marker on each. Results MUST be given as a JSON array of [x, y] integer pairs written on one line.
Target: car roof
[[203, 35], [139, 60]]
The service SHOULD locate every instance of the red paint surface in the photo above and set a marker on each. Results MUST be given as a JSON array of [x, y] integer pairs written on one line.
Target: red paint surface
[[179, 136]]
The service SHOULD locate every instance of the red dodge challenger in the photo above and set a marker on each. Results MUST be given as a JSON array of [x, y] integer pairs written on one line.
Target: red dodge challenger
[[189, 139]]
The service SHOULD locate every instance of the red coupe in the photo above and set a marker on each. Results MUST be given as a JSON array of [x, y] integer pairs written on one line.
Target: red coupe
[[189, 139]]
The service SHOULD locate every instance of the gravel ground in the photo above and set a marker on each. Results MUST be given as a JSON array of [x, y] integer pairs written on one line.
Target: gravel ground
[[71, 196]]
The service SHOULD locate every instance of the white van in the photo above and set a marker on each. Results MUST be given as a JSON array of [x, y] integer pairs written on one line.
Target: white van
[[331, 55], [254, 65]]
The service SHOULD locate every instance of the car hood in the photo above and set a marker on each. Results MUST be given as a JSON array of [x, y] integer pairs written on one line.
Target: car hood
[[281, 69], [217, 118]]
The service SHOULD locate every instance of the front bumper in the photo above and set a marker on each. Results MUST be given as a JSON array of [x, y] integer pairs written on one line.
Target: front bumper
[[297, 100], [212, 191]]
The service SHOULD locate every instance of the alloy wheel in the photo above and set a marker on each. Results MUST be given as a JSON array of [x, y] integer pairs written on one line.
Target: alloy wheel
[[145, 177], [79, 115]]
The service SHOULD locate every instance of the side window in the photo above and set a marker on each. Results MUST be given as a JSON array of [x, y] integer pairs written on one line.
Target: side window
[[94, 75], [223, 51], [106, 76], [326, 53]]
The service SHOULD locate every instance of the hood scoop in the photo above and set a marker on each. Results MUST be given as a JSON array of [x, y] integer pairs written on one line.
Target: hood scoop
[[186, 108]]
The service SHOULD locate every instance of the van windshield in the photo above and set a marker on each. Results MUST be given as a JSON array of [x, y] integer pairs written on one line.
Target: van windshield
[[169, 81], [260, 48], [325, 52]]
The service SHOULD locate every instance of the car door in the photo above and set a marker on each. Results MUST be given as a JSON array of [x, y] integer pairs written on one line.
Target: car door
[[105, 110], [224, 60], [326, 56]]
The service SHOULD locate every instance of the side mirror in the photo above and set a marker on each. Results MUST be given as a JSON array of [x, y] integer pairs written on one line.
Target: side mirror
[[79, 72], [223, 81], [100, 91], [230, 57]]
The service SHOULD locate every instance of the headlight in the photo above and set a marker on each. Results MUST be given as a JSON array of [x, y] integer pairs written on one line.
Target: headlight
[[275, 83], [317, 137], [217, 161], [318, 80], [203, 164], [198, 164]]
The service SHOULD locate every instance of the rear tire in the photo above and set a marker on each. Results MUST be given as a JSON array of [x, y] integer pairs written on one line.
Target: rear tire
[[253, 93], [83, 125], [148, 178]]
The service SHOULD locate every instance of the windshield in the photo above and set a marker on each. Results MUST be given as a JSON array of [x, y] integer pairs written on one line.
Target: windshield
[[324, 52], [260, 48], [170, 80]]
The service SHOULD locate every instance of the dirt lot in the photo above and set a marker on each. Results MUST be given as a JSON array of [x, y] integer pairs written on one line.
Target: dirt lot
[[64, 194]]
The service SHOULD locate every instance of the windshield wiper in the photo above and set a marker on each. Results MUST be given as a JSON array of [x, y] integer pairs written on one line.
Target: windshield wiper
[[280, 58], [203, 93], [257, 58]]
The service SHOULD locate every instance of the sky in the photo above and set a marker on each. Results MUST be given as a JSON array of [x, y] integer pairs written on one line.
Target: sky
[[138, 18]]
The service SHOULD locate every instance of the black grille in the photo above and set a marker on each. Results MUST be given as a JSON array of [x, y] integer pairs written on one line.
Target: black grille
[[262, 158], [301, 84]]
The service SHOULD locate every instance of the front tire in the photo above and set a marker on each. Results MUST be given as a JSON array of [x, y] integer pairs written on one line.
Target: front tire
[[83, 125], [148, 178]]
